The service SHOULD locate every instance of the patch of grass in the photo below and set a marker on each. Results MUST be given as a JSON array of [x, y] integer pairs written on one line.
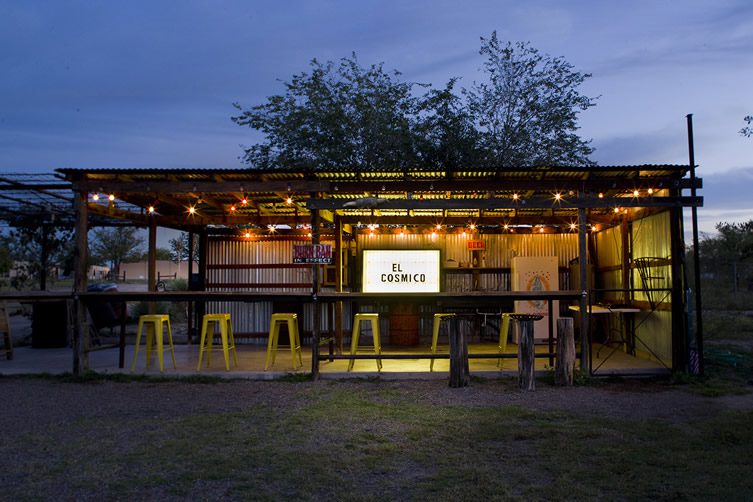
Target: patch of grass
[[728, 326], [370, 441], [719, 295], [728, 371], [94, 377]]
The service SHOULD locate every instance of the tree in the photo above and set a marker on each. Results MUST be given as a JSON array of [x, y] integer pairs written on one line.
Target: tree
[[527, 111], [445, 133], [179, 249], [748, 130], [336, 115], [345, 115], [37, 247], [732, 247], [115, 246]]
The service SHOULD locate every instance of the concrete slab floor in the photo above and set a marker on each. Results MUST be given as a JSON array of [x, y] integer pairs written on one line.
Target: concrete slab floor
[[251, 359]]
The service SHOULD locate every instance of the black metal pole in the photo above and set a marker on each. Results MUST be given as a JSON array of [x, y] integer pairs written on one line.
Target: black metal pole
[[696, 250]]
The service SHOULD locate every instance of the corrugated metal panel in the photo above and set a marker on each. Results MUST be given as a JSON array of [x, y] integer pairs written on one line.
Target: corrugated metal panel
[[609, 250], [500, 248]]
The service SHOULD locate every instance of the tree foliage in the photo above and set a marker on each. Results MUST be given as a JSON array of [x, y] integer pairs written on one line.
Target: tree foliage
[[179, 249], [725, 252], [116, 245], [336, 115], [527, 110], [747, 130], [6, 260], [346, 115], [37, 248]]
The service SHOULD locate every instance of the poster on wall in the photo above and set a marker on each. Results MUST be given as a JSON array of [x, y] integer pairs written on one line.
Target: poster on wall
[[401, 271], [536, 273]]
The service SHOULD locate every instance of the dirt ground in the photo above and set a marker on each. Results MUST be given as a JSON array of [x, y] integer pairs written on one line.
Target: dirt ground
[[31, 404]]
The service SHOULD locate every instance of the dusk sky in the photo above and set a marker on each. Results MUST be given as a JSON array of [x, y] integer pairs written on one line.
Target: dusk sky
[[150, 84]]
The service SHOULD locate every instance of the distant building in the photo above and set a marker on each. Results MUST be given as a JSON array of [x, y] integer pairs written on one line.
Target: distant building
[[166, 269]]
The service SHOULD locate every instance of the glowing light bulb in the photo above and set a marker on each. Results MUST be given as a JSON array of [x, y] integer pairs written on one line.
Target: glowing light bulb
[[95, 197], [111, 197], [472, 226], [247, 235], [514, 196], [636, 193], [151, 209], [244, 201], [541, 230], [232, 209], [191, 210], [650, 191], [558, 196], [289, 200], [601, 195], [439, 227], [617, 210], [572, 226]]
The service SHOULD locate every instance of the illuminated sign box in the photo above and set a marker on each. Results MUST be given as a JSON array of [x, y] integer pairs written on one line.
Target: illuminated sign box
[[401, 271]]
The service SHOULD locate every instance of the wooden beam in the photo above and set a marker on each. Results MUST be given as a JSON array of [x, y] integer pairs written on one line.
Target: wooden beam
[[502, 203]]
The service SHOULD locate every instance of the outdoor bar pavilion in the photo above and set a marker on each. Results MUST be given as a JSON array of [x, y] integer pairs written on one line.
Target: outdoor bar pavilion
[[613, 234]]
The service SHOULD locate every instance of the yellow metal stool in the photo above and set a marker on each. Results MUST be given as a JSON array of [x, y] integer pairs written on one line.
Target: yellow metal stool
[[357, 320], [226, 335], [154, 324], [504, 330], [438, 318], [274, 335]]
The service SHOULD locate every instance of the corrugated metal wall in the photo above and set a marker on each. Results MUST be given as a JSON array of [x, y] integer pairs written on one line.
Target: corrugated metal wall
[[500, 249], [253, 318]]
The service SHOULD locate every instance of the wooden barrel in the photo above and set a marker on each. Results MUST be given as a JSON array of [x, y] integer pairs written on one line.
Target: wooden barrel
[[403, 329]]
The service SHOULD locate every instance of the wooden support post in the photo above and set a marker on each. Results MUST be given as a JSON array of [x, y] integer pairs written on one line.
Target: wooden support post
[[565, 365], [526, 355], [338, 284], [460, 375], [80, 326], [585, 349], [5, 329], [317, 334]]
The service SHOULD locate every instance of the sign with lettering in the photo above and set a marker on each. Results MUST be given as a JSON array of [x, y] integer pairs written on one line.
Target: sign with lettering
[[312, 253], [476, 244], [401, 271]]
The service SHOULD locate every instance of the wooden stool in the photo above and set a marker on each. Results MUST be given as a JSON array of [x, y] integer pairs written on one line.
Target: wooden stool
[[154, 324], [438, 318], [374, 320], [504, 330], [274, 334], [226, 335]]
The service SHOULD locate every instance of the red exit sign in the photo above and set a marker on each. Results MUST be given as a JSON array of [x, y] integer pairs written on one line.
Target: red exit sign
[[475, 244]]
